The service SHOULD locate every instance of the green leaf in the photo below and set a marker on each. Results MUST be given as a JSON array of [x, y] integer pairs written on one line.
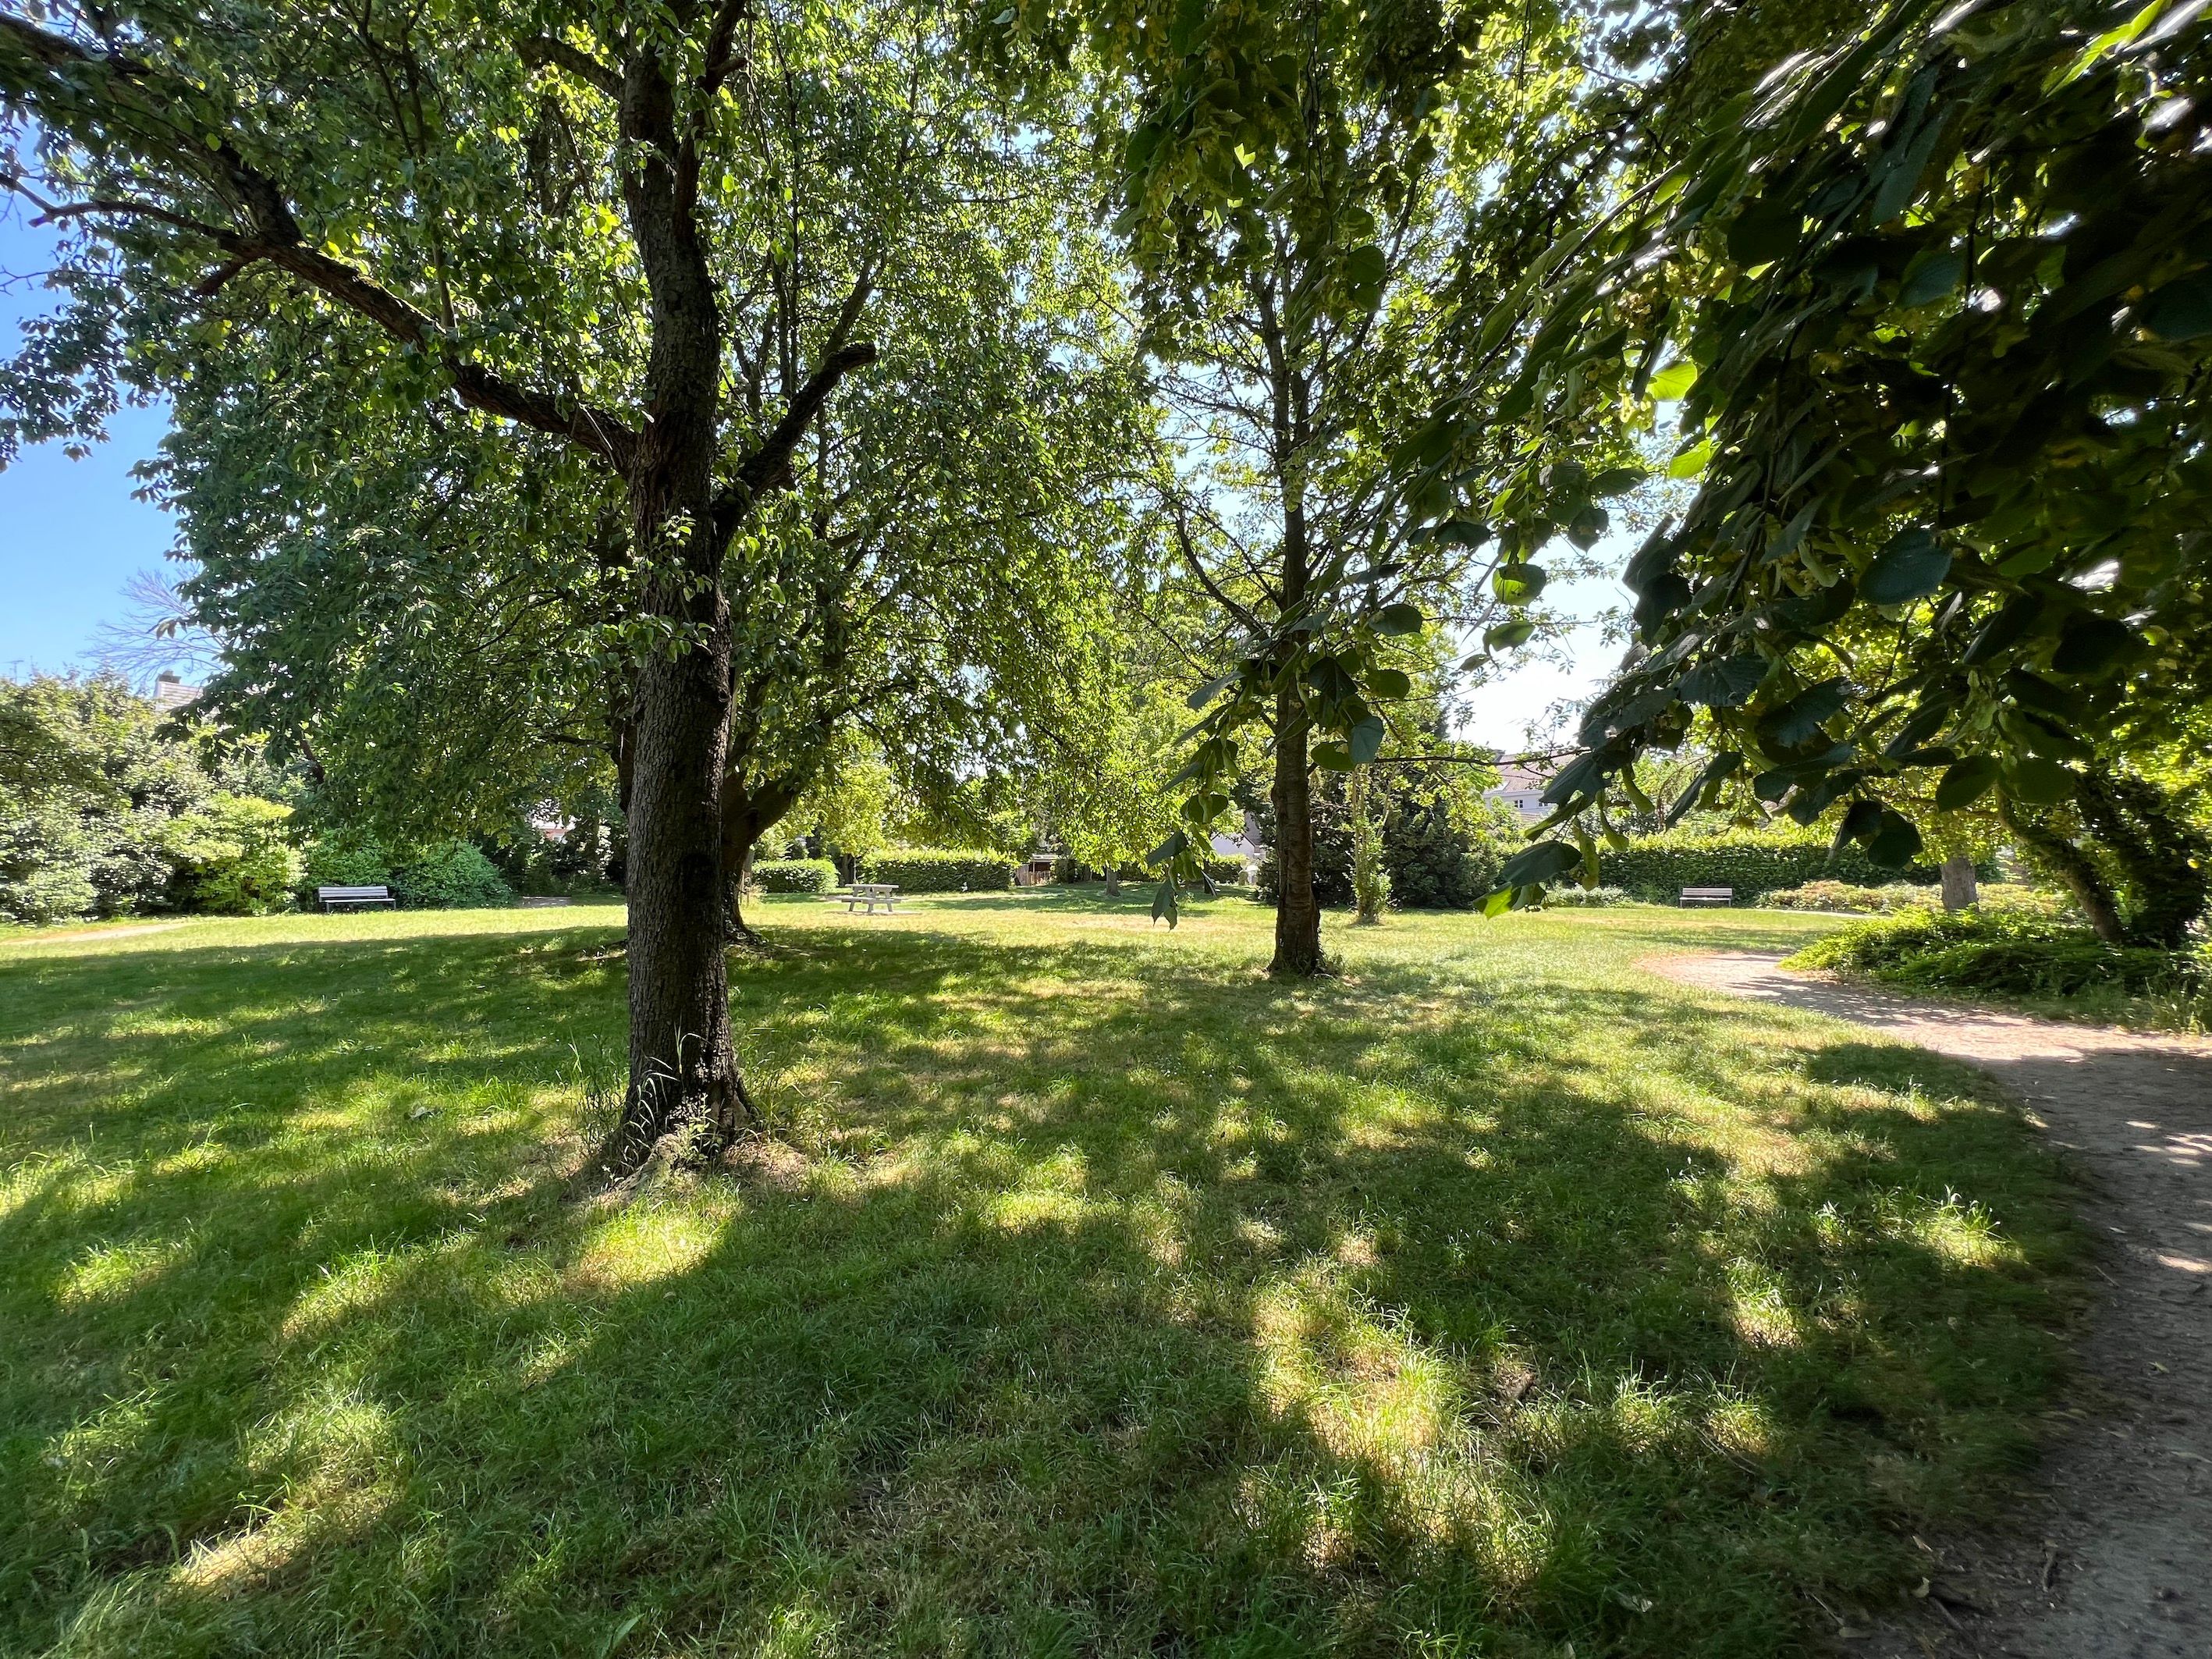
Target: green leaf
[[1966, 782], [1616, 481], [1332, 756], [1897, 844], [1724, 683], [2090, 643], [1390, 683], [1507, 634], [1690, 462], [2181, 310], [1206, 693], [1365, 739], [1674, 381], [1518, 584], [1398, 619], [1799, 720], [1910, 567], [1932, 273], [1587, 525], [1545, 861], [2038, 781], [1164, 907], [1766, 232]]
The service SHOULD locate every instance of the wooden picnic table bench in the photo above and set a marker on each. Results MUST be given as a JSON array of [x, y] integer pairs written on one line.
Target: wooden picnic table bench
[[1708, 895], [871, 894], [352, 898]]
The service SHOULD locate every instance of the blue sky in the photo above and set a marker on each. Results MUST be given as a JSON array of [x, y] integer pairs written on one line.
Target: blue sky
[[70, 535]]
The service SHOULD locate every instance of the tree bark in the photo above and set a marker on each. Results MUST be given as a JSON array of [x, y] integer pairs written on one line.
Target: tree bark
[[1959, 891], [747, 816], [683, 1064], [1297, 917], [2163, 863], [1112, 873], [2073, 866]]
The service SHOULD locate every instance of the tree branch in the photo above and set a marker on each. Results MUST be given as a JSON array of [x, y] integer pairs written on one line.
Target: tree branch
[[769, 466], [544, 51]]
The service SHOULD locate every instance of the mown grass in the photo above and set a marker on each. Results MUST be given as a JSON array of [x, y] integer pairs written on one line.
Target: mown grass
[[1102, 1297]]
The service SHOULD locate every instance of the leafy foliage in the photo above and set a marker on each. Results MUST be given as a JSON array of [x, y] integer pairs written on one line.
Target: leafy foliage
[[1936, 283], [439, 875], [1754, 862], [2008, 951], [795, 875], [120, 812], [938, 870]]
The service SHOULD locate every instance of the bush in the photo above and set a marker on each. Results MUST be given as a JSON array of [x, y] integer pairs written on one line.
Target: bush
[[2012, 951], [1754, 862], [1841, 897], [795, 875], [446, 875], [1571, 897], [938, 869], [449, 875], [1226, 872], [232, 858]]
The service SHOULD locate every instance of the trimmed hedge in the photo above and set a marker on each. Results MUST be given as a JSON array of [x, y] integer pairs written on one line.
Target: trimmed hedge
[[938, 870], [446, 875], [795, 875], [1754, 863]]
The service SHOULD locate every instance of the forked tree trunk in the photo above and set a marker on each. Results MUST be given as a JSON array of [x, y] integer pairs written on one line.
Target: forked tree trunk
[[1297, 917], [1959, 891]]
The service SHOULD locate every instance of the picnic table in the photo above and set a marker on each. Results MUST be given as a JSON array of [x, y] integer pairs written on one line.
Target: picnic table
[[352, 898], [1694, 896], [871, 894]]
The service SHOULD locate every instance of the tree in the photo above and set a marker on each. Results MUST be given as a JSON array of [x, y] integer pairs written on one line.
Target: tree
[[645, 239], [1943, 286], [1304, 189]]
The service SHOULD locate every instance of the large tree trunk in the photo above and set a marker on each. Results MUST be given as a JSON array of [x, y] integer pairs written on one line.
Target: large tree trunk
[[1959, 891], [1113, 874], [2071, 865], [1297, 917], [683, 1067]]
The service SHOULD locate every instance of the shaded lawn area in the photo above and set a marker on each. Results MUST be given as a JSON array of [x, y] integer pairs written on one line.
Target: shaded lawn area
[[1104, 1297]]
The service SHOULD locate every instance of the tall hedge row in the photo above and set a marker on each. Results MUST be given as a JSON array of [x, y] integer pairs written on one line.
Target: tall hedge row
[[795, 875], [1754, 862], [936, 870]]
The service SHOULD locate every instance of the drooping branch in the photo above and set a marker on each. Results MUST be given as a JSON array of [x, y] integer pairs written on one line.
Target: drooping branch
[[273, 236], [544, 51]]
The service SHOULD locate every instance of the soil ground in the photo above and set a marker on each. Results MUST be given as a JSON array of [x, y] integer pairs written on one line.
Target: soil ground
[[2116, 1562]]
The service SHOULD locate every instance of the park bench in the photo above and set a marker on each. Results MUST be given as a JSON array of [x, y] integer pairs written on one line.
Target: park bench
[[1709, 895], [870, 893], [352, 898]]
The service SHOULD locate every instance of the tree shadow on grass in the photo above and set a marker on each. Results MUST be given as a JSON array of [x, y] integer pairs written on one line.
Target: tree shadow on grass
[[1121, 1303]]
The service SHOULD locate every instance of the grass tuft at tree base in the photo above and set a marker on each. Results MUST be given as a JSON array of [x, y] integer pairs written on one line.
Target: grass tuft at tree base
[[1097, 1296]]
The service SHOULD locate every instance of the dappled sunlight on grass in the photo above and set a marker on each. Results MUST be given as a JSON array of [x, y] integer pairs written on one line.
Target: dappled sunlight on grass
[[1098, 1294]]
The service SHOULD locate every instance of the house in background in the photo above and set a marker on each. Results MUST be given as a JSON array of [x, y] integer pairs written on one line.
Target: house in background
[[1521, 787], [171, 693]]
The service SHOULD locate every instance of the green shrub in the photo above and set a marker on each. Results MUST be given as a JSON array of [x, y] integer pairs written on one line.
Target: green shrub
[[445, 875], [449, 875], [1842, 897], [1754, 862], [938, 870], [795, 875], [1571, 897], [232, 857], [1227, 870], [2013, 951]]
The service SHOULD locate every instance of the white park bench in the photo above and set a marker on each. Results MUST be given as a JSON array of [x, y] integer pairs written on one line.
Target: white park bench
[[352, 898], [1709, 895], [871, 894]]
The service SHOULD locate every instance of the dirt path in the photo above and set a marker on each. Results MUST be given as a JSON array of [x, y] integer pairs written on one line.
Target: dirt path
[[2117, 1564]]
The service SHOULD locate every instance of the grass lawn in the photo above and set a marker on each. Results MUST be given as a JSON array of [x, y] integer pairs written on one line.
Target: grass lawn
[[1102, 1296]]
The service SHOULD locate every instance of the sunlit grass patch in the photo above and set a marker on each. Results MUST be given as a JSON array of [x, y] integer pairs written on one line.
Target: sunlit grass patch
[[1096, 1295]]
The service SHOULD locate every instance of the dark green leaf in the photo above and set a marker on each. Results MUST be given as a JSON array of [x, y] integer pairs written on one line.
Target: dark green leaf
[[1365, 739], [2038, 781], [1933, 273], [1390, 683], [2090, 643], [1911, 567], [1800, 719], [1966, 782], [2181, 310], [1546, 861], [1398, 619], [1896, 844], [1724, 683], [1587, 525], [1508, 634], [1764, 232], [1518, 584]]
